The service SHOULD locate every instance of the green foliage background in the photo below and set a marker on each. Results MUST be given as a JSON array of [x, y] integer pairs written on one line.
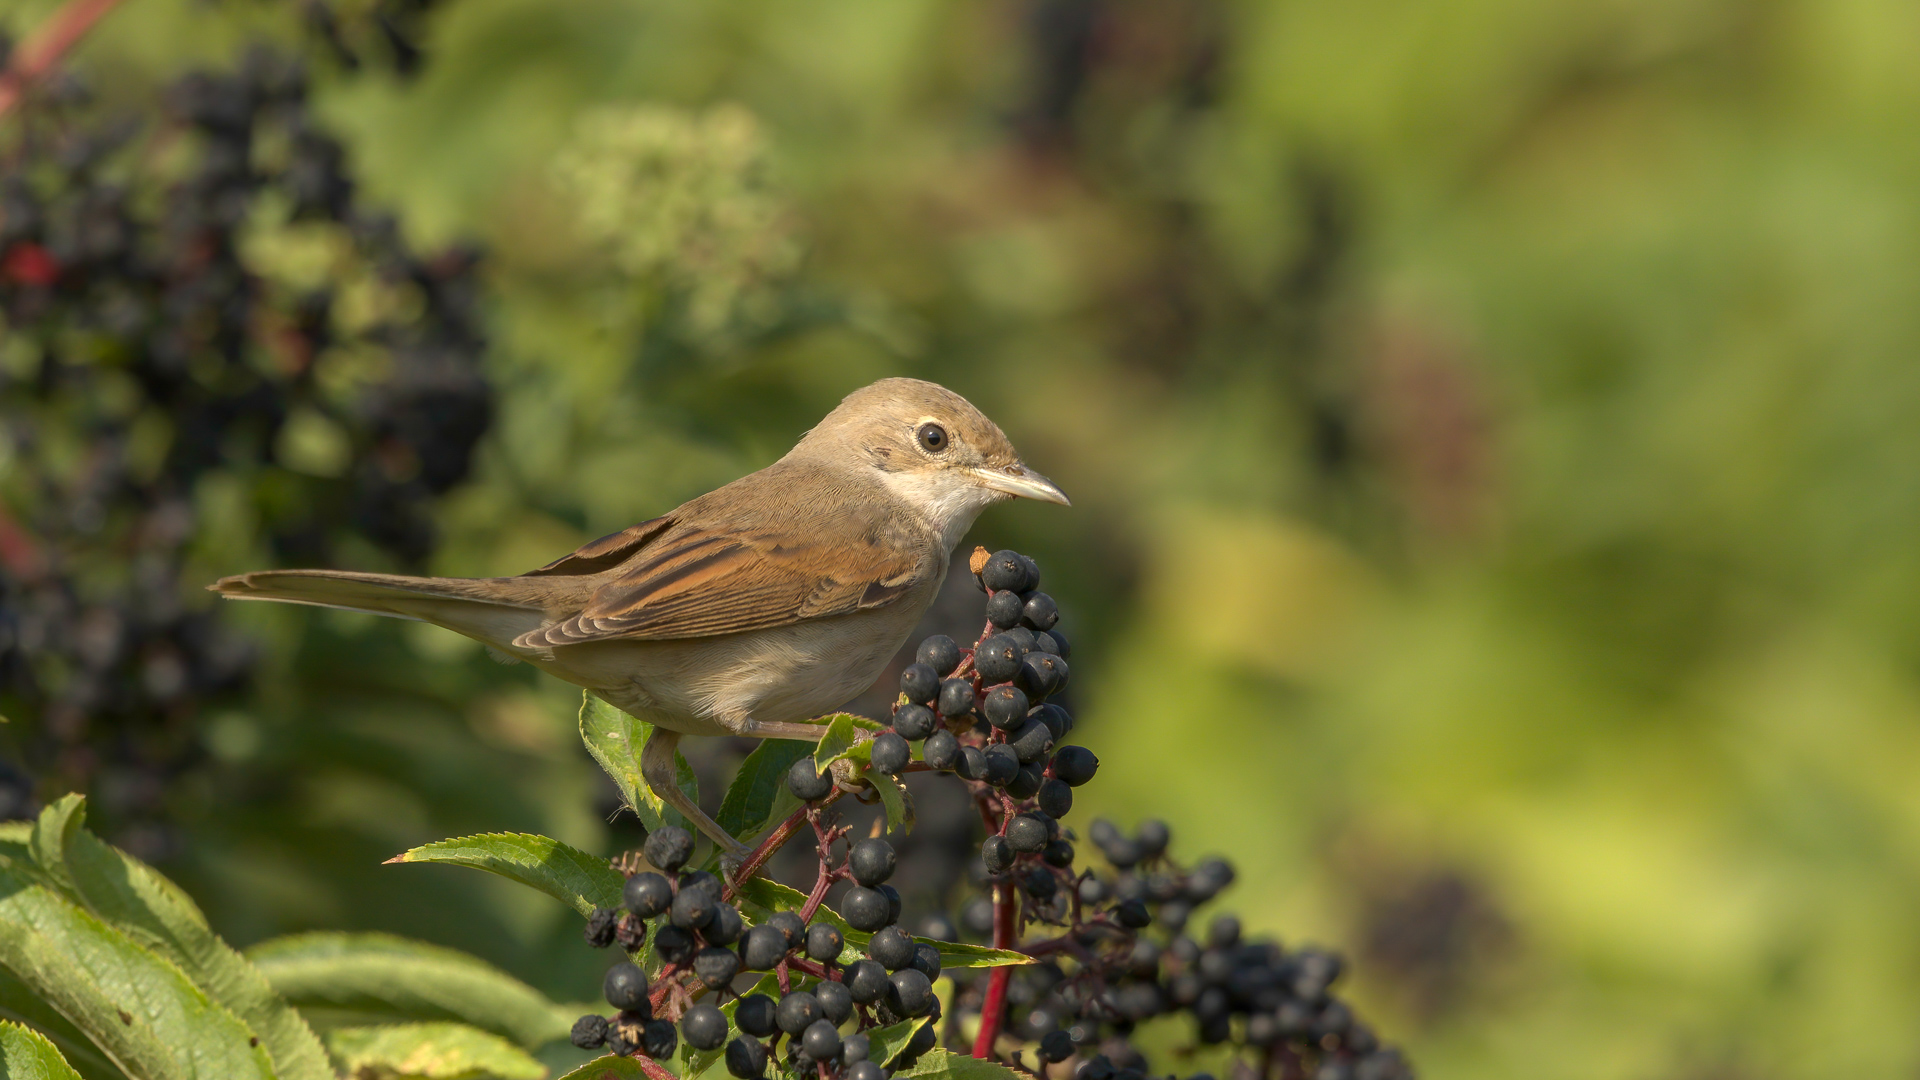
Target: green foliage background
[[1492, 427]]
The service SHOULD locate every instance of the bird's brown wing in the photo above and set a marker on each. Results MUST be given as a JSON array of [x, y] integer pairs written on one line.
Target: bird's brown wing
[[690, 581]]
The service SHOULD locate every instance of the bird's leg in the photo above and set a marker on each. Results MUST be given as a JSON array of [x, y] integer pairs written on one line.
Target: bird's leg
[[775, 729], [657, 769]]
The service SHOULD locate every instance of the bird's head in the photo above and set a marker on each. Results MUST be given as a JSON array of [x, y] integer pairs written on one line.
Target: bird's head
[[932, 448]]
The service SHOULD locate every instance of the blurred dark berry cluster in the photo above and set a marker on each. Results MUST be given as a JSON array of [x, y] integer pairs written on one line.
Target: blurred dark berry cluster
[[202, 334], [1110, 942]]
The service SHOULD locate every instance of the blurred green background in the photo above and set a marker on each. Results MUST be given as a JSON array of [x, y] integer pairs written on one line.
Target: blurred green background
[[1493, 430]]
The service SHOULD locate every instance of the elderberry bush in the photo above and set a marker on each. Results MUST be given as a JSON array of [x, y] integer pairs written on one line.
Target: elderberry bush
[[158, 342], [1074, 953]]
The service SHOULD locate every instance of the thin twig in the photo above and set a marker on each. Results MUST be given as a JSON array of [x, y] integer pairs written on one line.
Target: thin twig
[[49, 42]]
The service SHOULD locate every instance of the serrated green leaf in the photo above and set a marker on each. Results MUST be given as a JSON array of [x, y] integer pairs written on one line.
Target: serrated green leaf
[[835, 743], [23, 1006], [759, 898], [608, 1068], [887, 1042], [938, 1064], [565, 873], [436, 1051], [759, 794], [25, 1054], [140, 1009], [616, 740], [339, 980], [140, 902], [895, 798]]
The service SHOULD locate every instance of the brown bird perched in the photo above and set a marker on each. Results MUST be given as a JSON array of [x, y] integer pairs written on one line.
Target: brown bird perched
[[750, 608]]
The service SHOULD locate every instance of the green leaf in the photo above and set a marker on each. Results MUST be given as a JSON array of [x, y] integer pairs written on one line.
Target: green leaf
[[565, 873], [138, 901], [759, 795], [341, 979], [938, 1064], [608, 1068], [23, 1006], [759, 898], [429, 1051], [140, 1009], [887, 1042], [894, 796], [25, 1054], [616, 740], [836, 742]]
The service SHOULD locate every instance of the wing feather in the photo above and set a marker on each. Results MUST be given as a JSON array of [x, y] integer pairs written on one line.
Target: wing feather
[[688, 582]]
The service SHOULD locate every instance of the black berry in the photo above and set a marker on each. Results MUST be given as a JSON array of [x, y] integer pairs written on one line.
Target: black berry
[[716, 966], [791, 927], [866, 980], [820, 1041], [659, 1039], [1058, 641], [891, 753], [1031, 742], [865, 909], [746, 1059], [1056, 798], [855, 1047], [589, 1032], [972, 763], [1041, 674], [601, 926], [915, 722], [920, 683], [1133, 914], [626, 987], [892, 947], [1056, 1046], [998, 853], [808, 783], [1003, 764], [1005, 707], [825, 942], [912, 993], [1026, 784], [754, 1014], [836, 1001], [796, 1012], [1057, 719], [941, 750], [1152, 835], [761, 947], [674, 944], [1027, 834], [647, 895], [865, 1070], [939, 653], [997, 659], [1007, 570], [1074, 764], [956, 697], [726, 926], [926, 959], [1004, 610], [668, 848], [704, 1026], [1059, 853], [693, 908], [1040, 612], [871, 860]]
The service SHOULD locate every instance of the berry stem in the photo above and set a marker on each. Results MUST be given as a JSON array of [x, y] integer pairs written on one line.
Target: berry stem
[[49, 41], [995, 1005], [774, 841], [653, 1069]]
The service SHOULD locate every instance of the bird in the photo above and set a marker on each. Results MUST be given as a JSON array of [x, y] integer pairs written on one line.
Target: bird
[[747, 610]]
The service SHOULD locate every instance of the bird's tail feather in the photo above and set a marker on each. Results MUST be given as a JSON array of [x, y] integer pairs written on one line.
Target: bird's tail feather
[[475, 607]]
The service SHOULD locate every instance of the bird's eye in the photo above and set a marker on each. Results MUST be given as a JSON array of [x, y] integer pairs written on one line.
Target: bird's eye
[[933, 438]]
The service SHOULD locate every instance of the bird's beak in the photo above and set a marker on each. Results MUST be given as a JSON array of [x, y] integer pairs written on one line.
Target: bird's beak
[[1023, 482]]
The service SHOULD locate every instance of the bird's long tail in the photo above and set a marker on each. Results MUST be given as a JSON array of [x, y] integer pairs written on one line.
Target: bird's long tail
[[493, 610]]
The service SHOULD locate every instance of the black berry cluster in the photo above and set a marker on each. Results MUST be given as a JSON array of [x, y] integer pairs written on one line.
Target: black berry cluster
[[148, 347], [701, 943], [1111, 940]]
